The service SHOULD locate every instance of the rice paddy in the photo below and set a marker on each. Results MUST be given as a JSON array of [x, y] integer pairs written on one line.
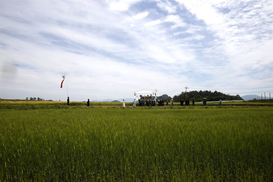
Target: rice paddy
[[136, 144]]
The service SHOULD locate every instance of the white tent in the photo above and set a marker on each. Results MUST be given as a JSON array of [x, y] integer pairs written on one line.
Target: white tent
[[144, 93]]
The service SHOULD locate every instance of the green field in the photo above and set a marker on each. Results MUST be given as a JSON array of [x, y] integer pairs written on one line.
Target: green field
[[77, 143]]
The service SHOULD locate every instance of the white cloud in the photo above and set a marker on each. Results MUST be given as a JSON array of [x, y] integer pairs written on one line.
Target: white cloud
[[109, 51], [237, 30], [120, 5], [203, 11], [173, 18], [166, 6], [141, 15], [153, 23], [178, 22]]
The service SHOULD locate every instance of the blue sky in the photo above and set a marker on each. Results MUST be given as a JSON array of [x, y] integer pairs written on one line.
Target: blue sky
[[109, 49]]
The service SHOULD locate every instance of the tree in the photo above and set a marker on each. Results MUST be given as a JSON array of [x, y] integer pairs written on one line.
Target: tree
[[200, 95]]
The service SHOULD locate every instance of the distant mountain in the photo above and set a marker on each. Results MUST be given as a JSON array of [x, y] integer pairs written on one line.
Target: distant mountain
[[105, 100], [115, 101], [112, 100], [126, 100], [251, 97]]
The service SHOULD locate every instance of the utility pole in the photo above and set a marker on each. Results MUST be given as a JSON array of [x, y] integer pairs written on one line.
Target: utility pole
[[186, 91], [261, 96], [269, 95], [186, 88]]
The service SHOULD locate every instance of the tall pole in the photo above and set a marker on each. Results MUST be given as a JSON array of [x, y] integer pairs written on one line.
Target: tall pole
[[186, 91]]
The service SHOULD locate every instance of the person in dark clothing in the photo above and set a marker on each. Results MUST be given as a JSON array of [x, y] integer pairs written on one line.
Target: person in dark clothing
[[192, 102], [88, 102], [204, 102], [160, 102]]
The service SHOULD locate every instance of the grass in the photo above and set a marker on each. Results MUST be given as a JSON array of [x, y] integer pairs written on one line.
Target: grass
[[96, 144]]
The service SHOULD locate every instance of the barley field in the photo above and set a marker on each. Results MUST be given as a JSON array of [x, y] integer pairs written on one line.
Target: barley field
[[136, 144]]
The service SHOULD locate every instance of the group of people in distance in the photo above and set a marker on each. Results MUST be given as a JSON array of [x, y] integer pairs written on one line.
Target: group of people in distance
[[187, 102], [150, 102]]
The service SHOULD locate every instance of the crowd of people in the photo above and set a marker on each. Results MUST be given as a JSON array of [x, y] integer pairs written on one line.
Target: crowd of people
[[150, 102], [147, 102], [161, 102]]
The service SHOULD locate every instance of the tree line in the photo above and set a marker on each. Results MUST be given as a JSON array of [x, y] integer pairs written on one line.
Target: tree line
[[200, 95]]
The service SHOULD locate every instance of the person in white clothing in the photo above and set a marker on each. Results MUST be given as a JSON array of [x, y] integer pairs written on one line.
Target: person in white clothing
[[123, 103]]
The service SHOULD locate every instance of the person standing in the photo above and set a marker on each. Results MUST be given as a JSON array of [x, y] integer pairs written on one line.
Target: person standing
[[204, 102], [172, 102], [134, 103], [220, 102], [123, 103]]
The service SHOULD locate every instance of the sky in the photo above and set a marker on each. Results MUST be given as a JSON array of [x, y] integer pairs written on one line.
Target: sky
[[109, 49]]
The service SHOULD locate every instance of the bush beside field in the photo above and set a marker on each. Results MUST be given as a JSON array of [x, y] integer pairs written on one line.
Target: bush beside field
[[217, 144]]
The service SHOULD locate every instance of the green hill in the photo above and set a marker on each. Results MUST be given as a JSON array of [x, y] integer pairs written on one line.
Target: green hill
[[200, 95]]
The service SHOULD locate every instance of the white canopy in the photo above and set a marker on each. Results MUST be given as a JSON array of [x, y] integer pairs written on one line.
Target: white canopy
[[137, 94]]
